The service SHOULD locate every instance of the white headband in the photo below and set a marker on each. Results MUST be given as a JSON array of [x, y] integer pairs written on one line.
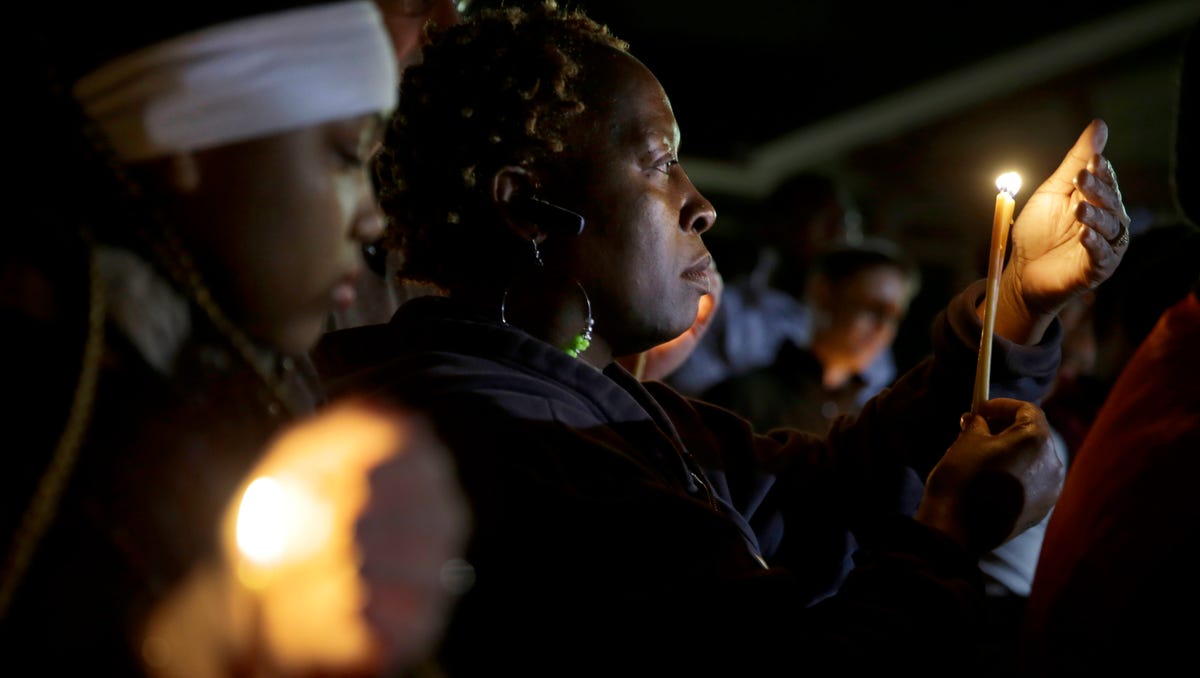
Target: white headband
[[244, 79]]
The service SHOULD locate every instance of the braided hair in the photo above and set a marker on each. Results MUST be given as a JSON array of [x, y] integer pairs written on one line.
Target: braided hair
[[498, 89]]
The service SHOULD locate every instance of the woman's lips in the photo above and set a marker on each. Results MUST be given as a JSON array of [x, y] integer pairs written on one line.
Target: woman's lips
[[697, 274]]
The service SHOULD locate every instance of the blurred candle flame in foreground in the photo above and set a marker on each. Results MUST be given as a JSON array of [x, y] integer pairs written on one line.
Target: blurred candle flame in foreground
[[291, 540], [256, 536], [335, 554], [280, 521]]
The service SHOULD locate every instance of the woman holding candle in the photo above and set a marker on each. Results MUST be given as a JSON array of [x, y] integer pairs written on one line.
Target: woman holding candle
[[617, 523], [213, 159]]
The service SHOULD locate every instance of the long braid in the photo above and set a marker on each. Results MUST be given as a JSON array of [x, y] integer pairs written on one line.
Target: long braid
[[170, 252], [43, 505], [39, 513]]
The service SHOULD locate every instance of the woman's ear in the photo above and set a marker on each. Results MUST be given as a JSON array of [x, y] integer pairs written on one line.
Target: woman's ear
[[512, 187], [514, 193]]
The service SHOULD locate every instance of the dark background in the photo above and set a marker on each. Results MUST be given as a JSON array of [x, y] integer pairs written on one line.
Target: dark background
[[915, 107]]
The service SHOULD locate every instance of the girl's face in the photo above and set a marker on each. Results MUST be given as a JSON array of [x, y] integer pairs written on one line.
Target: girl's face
[[277, 226], [640, 257]]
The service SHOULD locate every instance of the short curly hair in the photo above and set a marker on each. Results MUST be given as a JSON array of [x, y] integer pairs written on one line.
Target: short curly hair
[[498, 89]]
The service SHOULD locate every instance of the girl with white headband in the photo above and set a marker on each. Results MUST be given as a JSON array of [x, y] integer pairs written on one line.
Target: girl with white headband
[[220, 206]]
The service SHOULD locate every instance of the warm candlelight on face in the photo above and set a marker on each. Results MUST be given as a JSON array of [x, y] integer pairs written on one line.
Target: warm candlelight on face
[[1008, 185]]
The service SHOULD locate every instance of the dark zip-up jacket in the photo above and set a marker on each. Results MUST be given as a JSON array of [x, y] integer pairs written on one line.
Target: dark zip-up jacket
[[624, 529]]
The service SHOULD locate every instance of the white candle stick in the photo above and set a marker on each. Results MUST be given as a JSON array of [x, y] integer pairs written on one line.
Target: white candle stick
[[1008, 184]]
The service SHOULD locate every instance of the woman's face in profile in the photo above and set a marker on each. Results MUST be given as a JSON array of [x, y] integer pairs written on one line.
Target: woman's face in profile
[[641, 257]]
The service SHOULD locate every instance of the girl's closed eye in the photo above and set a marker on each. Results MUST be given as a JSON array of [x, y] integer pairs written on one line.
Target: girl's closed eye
[[350, 159]]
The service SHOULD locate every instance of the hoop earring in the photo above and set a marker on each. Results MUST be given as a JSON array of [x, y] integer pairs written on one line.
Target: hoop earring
[[537, 259], [578, 343]]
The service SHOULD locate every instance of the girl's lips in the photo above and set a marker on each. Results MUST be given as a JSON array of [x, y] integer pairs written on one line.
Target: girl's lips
[[344, 295], [345, 292]]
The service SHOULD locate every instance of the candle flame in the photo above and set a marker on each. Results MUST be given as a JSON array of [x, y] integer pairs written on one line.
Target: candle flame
[[1009, 182], [305, 494], [257, 534], [278, 521]]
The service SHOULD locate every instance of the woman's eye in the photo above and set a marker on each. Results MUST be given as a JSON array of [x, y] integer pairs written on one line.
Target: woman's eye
[[666, 165]]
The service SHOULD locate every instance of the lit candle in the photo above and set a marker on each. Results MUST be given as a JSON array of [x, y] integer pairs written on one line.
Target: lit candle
[[1008, 184]]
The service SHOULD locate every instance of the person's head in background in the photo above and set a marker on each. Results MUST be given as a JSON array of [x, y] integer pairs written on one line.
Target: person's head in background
[[378, 292], [859, 296], [806, 215], [244, 129], [513, 115], [405, 21]]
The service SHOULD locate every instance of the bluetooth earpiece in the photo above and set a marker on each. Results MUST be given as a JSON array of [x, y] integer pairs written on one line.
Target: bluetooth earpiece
[[553, 218]]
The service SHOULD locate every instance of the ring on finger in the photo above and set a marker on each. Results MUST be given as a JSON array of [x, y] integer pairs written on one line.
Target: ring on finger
[[1122, 238]]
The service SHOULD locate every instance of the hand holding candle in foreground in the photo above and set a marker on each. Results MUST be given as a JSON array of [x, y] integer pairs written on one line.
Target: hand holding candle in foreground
[[1069, 237], [337, 552]]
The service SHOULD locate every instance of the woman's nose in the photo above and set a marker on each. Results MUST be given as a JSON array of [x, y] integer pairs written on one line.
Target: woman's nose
[[699, 215]]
